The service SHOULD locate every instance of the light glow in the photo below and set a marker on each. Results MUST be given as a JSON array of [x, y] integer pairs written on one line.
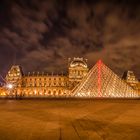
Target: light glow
[[9, 86]]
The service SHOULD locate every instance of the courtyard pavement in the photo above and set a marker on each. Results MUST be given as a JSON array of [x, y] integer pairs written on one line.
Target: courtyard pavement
[[69, 119]]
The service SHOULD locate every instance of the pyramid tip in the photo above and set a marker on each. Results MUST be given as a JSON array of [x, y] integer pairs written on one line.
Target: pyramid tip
[[99, 61]]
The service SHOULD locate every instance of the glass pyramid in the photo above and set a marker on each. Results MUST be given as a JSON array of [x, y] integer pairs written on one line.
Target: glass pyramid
[[101, 81]]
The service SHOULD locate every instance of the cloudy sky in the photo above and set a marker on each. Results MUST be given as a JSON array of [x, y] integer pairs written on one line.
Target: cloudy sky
[[42, 34]]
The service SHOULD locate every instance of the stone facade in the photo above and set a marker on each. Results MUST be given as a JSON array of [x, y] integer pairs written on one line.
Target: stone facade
[[131, 79], [42, 84]]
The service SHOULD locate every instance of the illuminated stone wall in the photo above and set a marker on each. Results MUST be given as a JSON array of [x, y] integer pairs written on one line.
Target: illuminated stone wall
[[130, 78], [78, 69], [41, 84], [54, 85], [2, 92]]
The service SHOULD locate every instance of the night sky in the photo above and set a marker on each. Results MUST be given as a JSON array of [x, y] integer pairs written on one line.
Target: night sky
[[40, 35]]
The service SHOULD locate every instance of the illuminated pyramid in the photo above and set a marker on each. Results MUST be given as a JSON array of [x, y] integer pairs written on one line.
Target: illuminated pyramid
[[103, 82]]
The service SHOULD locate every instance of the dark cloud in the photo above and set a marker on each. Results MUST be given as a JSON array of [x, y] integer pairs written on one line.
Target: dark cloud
[[42, 34]]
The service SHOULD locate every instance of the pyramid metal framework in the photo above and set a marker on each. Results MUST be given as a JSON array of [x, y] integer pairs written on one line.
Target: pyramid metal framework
[[101, 81]]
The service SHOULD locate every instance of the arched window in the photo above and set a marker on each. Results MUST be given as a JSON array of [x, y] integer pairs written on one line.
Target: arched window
[[49, 92], [54, 92], [59, 92]]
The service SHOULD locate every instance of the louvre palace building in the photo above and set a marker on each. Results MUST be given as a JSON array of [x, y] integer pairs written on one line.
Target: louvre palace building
[[43, 84], [99, 81]]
